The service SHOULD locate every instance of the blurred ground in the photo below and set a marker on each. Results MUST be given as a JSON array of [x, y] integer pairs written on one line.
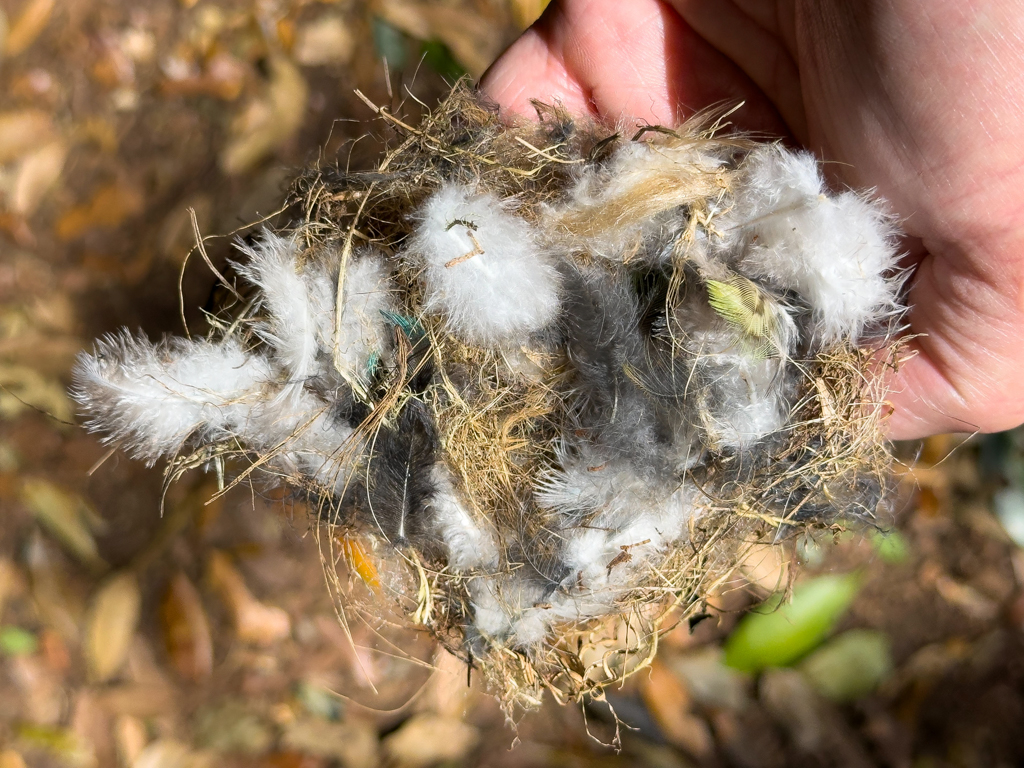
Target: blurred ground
[[207, 635]]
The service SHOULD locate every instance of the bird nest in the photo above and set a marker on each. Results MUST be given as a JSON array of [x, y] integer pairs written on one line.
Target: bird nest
[[541, 381]]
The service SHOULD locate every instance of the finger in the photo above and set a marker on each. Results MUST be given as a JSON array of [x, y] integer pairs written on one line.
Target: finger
[[636, 60], [965, 374], [759, 52]]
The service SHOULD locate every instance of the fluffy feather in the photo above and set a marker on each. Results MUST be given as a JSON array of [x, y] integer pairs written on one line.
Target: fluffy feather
[[291, 322], [151, 398], [483, 268], [836, 251], [735, 394], [469, 541], [364, 334], [604, 344], [304, 436], [300, 301]]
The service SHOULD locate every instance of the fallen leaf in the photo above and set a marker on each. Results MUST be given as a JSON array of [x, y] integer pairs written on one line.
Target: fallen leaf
[[22, 131], [354, 744], [109, 205], [59, 742], [850, 665], [778, 633], [766, 567], [42, 696], [58, 602], [254, 622], [32, 20], [168, 753], [186, 629], [223, 77], [231, 726], [131, 738], [55, 651], [426, 738], [113, 618], [319, 700], [447, 693], [669, 702], [12, 583], [25, 388], [11, 759], [15, 641], [711, 684], [389, 42], [328, 40], [91, 724], [966, 598], [525, 12], [467, 34], [37, 174], [65, 515], [139, 699], [267, 123]]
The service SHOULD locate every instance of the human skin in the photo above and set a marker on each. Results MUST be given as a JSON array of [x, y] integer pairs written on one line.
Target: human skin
[[922, 100]]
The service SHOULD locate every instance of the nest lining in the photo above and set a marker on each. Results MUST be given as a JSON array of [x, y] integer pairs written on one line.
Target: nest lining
[[544, 380]]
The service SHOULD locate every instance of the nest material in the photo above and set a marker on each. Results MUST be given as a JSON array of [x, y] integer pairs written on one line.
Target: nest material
[[542, 471]]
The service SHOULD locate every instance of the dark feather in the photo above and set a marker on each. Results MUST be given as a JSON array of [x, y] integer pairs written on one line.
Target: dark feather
[[398, 478], [606, 346]]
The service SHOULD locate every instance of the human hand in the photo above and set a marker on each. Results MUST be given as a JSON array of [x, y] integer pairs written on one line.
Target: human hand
[[921, 99]]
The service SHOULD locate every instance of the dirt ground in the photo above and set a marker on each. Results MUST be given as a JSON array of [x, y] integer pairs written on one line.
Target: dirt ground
[[202, 634]]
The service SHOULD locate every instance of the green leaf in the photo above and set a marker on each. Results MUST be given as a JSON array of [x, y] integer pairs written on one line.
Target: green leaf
[[780, 634], [15, 641], [891, 546], [390, 43], [440, 59], [849, 666]]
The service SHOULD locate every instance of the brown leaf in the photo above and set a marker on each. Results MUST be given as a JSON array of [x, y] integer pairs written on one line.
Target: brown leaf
[[254, 622], [11, 759], [426, 739], [186, 629], [38, 172], [91, 723], [110, 205], [58, 602], [167, 753], [12, 583], [267, 123], [766, 568], [113, 617], [354, 744], [525, 12], [64, 515], [25, 388], [468, 35], [669, 703], [22, 132], [42, 697], [139, 699], [131, 737], [327, 40], [35, 15]]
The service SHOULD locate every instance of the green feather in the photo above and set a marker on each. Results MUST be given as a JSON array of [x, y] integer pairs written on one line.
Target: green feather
[[755, 314]]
